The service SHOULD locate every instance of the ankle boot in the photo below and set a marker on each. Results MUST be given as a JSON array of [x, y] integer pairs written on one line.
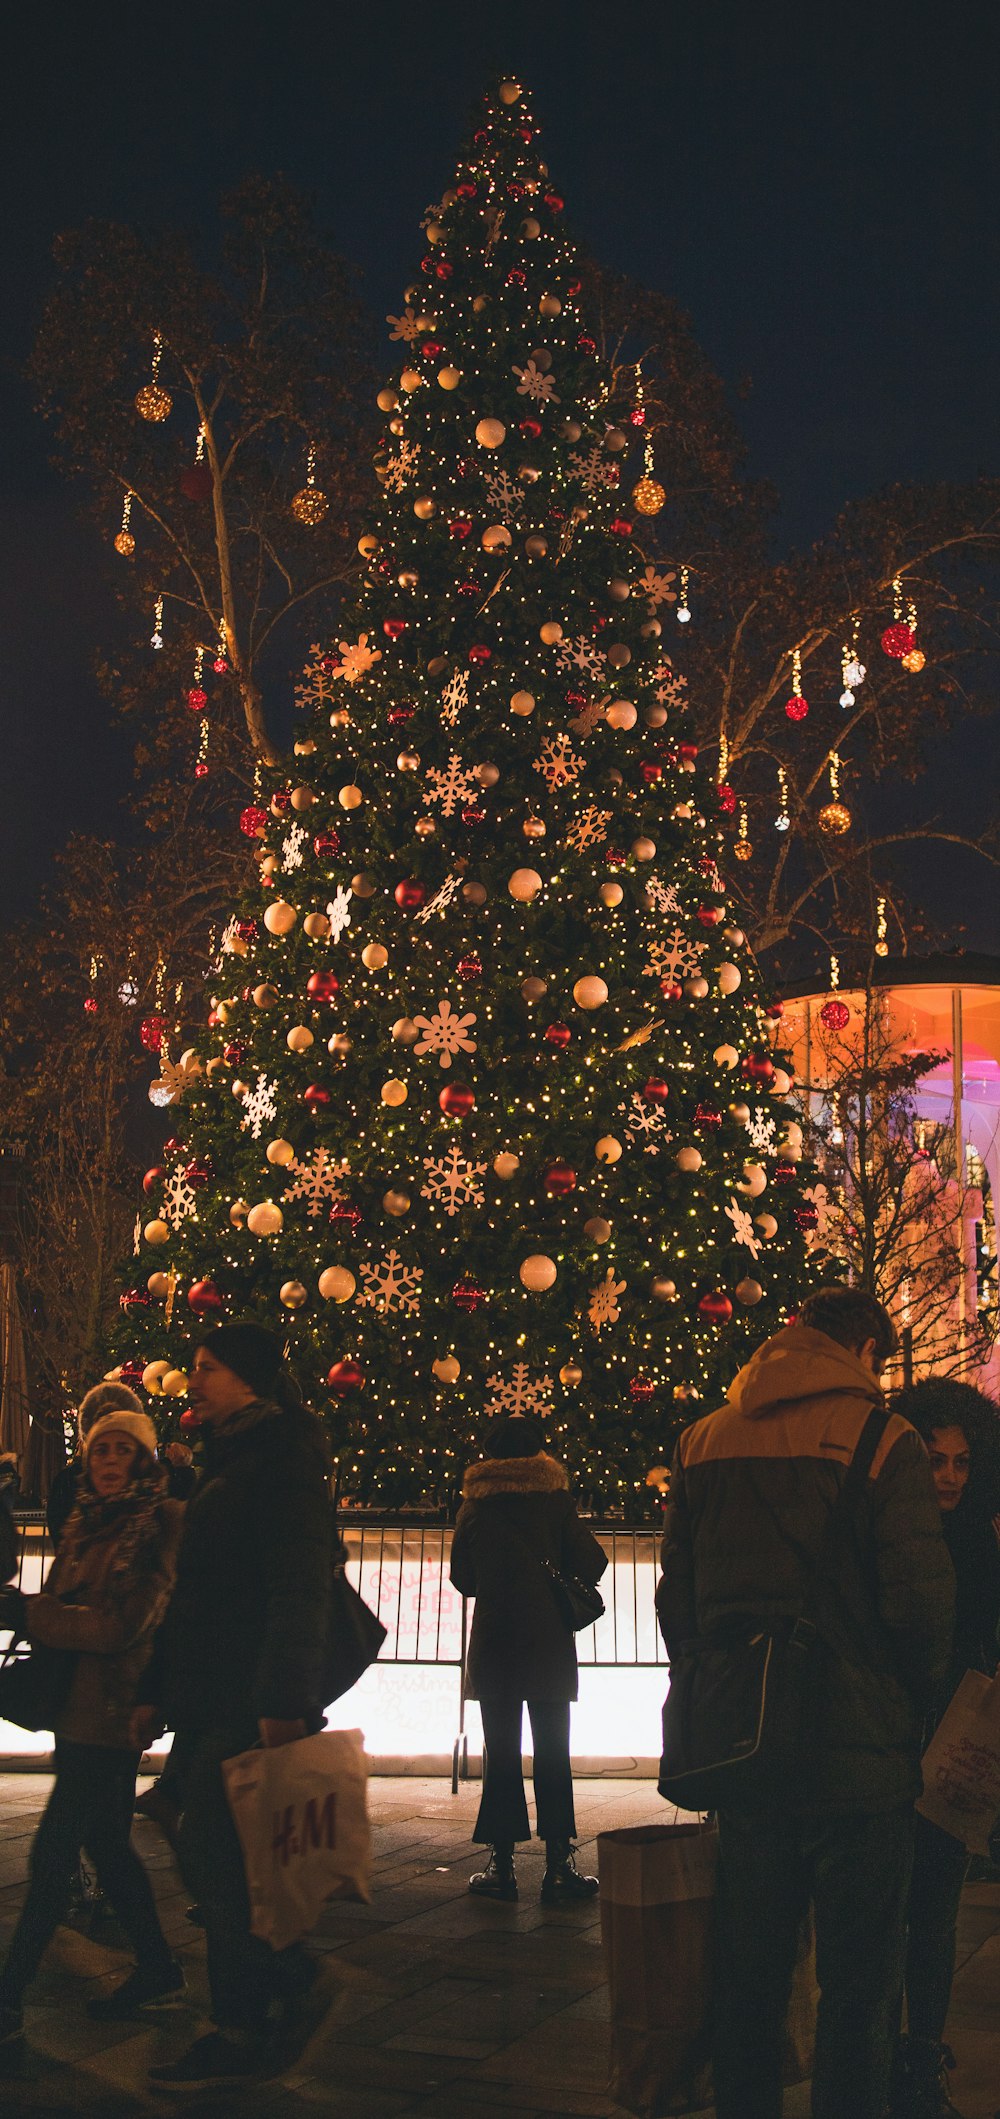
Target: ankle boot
[[919, 2087], [497, 1880], [562, 1879]]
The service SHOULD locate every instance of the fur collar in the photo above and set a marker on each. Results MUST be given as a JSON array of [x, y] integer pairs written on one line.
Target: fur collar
[[514, 1475]]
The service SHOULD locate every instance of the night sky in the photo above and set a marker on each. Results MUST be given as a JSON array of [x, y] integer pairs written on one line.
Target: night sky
[[816, 184]]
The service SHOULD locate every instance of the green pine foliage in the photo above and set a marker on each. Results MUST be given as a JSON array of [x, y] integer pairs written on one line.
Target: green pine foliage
[[487, 1048]]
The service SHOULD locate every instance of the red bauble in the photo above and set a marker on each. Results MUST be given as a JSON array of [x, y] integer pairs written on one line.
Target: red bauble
[[393, 627], [409, 895], [559, 1035], [281, 801], [196, 482], [316, 1096], [431, 348], [796, 707], [220, 665], [134, 1299], [204, 1297], [835, 1014], [637, 416], [898, 640], [460, 528], [784, 1173], [345, 1215], [656, 1091], [173, 1146], [710, 915], [345, 1376], [201, 768], [515, 190], [531, 427], [253, 820], [775, 1011], [687, 753], [153, 1179], [480, 653], [326, 844], [517, 278], [234, 1054], [457, 1100], [554, 201], [470, 967], [473, 813], [397, 714], [442, 270], [586, 344], [670, 990], [620, 527], [131, 1373], [716, 1307], [758, 1067], [151, 1031], [640, 1390], [190, 1421], [727, 799], [704, 1115], [197, 699], [806, 1218], [323, 986], [468, 1294], [198, 1172], [559, 1179], [651, 771], [615, 857]]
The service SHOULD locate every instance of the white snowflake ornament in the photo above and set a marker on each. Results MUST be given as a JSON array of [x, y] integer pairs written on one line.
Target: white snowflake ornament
[[519, 1396], [452, 1181], [743, 1228], [589, 828], [392, 1285], [602, 1307], [180, 1201], [558, 763], [356, 658], [593, 469], [454, 696], [450, 785], [535, 384], [444, 1032], [260, 1106], [291, 849], [318, 1181]]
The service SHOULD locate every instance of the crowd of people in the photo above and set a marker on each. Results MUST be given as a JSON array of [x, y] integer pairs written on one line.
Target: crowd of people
[[198, 1600]]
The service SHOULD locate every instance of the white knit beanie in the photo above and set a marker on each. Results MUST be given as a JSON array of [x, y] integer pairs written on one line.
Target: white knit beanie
[[105, 1397], [121, 1421]]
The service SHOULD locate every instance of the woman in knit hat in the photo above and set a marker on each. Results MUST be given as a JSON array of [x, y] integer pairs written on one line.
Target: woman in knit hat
[[517, 1522], [105, 1594]]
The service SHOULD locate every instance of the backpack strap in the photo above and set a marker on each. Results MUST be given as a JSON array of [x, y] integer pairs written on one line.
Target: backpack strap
[[845, 1507]]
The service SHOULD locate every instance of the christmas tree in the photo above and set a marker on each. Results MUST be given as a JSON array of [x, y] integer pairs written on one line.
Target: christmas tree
[[487, 1115]]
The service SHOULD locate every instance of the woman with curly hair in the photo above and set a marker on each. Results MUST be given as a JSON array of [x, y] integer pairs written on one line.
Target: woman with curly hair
[[961, 1429]]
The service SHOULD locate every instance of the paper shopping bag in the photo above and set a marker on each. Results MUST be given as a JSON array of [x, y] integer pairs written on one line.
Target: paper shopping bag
[[657, 1901], [961, 1765], [302, 1816]]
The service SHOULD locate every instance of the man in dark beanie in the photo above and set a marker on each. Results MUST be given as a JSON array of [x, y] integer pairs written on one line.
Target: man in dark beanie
[[238, 1661]]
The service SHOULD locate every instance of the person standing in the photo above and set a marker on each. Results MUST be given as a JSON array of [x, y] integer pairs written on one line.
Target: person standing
[[239, 1661], [518, 1519], [109, 1397], [961, 1430], [106, 1591], [751, 1492]]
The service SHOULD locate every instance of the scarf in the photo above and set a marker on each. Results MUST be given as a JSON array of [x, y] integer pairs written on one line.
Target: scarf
[[134, 1517]]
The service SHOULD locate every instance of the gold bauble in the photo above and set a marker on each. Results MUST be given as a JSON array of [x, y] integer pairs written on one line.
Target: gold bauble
[[125, 543], [648, 496], [914, 661], [309, 505], [571, 1374], [834, 818], [154, 403], [293, 1294], [742, 851]]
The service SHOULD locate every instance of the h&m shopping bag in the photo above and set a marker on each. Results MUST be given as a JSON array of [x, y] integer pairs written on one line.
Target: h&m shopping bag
[[961, 1765], [301, 1812], [658, 1885]]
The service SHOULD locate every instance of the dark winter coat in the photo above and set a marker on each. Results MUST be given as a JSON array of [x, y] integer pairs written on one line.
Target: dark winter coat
[[975, 1555], [111, 1624], [517, 1512], [245, 1634], [751, 1489]]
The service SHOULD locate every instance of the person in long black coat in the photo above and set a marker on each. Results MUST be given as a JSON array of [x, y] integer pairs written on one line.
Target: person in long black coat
[[517, 1515]]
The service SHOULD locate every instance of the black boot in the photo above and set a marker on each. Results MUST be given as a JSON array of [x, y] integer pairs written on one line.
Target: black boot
[[562, 1880], [920, 2081], [497, 1880]]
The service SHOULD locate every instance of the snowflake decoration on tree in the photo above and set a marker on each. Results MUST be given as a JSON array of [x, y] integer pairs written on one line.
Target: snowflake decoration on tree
[[533, 383], [291, 849], [668, 687], [318, 1181], [452, 1180], [646, 1123], [439, 902], [452, 785], [445, 1032], [763, 1132], [558, 763], [229, 937], [505, 498], [180, 1201], [663, 896], [400, 467], [338, 911], [176, 1077], [602, 1307], [356, 658], [743, 1228], [454, 696], [316, 685], [585, 722], [518, 1395], [589, 828], [582, 653], [405, 328], [391, 1285], [259, 1106], [819, 1197], [656, 587], [673, 956], [593, 469]]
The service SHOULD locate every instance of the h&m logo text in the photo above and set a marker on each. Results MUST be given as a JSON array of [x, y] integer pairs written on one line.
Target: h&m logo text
[[317, 1827]]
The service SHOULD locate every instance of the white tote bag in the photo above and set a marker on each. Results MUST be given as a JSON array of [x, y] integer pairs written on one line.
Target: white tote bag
[[301, 1812]]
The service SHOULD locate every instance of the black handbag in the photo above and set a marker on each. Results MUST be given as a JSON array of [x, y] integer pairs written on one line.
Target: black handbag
[[355, 1635], [35, 1684], [741, 1713], [578, 1603]]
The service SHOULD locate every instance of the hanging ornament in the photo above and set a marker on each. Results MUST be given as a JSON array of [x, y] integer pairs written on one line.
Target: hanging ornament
[[782, 820], [153, 402], [197, 697], [742, 848], [125, 542], [835, 1012], [796, 707], [852, 669], [196, 478], [648, 496], [835, 817], [221, 662], [914, 661], [899, 638], [156, 636], [881, 930], [310, 504], [683, 609], [201, 761]]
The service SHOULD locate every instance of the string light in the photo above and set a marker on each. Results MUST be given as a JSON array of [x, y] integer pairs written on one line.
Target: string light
[[835, 1012], [199, 447], [782, 820], [156, 636], [796, 707], [648, 494], [310, 504], [881, 930], [153, 402], [683, 610], [835, 817], [125, 542], [852, 668], [742, 848]]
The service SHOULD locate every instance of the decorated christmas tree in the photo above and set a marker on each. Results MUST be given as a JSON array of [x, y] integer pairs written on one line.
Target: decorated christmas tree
[[487, 1115]]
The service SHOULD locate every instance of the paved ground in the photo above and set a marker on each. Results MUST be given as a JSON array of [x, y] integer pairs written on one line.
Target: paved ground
[[444, 2007]]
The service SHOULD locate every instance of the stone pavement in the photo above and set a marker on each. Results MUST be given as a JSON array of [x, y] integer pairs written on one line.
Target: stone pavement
[[444, 2007]]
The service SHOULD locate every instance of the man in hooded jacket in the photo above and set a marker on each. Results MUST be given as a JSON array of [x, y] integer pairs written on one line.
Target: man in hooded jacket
[[751, 1490]]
